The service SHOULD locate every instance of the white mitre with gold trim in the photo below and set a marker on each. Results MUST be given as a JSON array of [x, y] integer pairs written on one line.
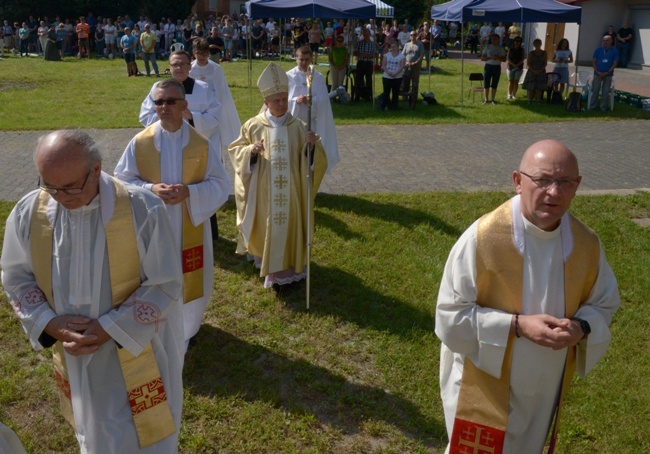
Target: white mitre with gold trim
[[273, 80]]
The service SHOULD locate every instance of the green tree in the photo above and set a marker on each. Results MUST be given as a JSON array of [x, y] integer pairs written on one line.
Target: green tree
[[19, 10]]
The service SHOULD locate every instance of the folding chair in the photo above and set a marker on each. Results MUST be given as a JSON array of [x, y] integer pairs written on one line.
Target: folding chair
[[578, 80], [475, 77]]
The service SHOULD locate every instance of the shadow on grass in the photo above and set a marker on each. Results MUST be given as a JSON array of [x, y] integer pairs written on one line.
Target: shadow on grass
[[338, 293], [224, 365], [389, 212]]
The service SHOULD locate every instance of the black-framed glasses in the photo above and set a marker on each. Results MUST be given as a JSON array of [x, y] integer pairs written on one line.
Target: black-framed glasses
[[180, 65], [69, 191], [169, 102], [546, 182]]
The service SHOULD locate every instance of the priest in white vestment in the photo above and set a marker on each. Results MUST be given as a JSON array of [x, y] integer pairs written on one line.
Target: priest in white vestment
[[271, 161], [203, 110], [526, 290], [211, 73], [170, 140], [322, 118], [67, 251]]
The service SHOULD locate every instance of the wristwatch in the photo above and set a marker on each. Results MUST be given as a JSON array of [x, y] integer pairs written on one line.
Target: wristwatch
[[584, 326]]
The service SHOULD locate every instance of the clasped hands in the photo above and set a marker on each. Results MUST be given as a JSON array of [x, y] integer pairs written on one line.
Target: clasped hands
[[171, 194], [548, 331], [79, 335]]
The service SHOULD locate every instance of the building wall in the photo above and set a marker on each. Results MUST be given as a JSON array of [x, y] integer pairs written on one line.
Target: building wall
[[597, 15]]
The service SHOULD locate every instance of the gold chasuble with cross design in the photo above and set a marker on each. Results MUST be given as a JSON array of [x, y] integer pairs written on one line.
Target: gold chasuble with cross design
[[483, 401], [271, 193], [144, 386], [195, 162]]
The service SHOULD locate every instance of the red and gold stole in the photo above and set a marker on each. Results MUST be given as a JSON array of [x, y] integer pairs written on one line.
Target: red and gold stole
[[195, 163], [483, 401], [146, 393]]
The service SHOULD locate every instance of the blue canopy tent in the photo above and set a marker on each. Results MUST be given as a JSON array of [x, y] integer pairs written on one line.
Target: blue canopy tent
[[506, 11], [334, 9], [521, 11], [321, 9]]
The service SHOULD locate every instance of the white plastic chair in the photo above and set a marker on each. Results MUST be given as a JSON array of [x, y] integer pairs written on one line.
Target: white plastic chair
[[578, 80], [177, 46], [611, 95]]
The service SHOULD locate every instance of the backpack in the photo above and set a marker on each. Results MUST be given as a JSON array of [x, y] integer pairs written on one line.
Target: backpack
[[556, 97], [574, 102]]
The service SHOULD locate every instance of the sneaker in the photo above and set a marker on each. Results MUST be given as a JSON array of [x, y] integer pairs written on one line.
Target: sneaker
[[485, 102], [493, 103]]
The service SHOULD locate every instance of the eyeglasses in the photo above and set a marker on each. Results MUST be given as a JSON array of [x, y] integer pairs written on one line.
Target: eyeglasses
[[69, 191], [545, 182], [169, 102], [179, 65]]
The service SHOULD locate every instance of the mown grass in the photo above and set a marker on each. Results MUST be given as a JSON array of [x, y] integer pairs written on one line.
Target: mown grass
[[359, 372], [36, 94]]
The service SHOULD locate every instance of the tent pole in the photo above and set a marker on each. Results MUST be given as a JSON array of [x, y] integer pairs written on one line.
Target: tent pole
[[462, 64], [249, 55]]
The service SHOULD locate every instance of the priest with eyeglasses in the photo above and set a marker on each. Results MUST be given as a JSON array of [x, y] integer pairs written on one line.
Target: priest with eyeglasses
[[525, 301], [179, 165], [81, 267]]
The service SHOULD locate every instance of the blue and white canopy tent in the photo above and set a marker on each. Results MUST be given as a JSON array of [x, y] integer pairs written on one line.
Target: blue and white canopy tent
[[383, 10], [522, 11]]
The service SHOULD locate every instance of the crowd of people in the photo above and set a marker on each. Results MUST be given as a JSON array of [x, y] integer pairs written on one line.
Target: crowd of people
[[82, 255], [372, 46]]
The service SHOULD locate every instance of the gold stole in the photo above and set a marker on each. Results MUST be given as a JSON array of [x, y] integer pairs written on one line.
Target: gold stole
[[195, 163], [483, 401], [146, 393]]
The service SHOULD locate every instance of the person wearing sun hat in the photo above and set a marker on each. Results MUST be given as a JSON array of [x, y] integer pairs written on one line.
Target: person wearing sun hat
[[271, 161]]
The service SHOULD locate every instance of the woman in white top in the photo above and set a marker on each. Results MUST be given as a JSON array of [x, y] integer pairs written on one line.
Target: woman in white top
[[562, 56], [393, 66]]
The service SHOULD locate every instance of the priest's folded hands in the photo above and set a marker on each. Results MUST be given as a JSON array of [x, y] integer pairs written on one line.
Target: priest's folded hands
[[171, 194], [79, 335]]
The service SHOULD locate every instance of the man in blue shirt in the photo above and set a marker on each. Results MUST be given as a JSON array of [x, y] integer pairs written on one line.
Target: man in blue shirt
[[128, 46], [604, 61]]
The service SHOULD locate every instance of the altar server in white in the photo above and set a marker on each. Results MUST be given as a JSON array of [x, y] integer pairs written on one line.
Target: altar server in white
[[207, 71], [322, 118]]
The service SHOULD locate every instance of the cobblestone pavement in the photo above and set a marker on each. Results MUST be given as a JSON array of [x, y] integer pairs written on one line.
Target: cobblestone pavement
[[613, 156]]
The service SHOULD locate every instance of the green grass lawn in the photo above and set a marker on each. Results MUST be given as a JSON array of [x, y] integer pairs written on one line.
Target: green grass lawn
[[36, 94], [359, 372]]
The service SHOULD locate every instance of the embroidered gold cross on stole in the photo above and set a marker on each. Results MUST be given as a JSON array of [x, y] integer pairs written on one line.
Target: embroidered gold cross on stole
[[280, 194]]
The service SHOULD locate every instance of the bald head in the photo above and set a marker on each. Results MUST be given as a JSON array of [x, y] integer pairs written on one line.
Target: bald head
[[65, 146], [546, 152], [69, 164], [547, 181]]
